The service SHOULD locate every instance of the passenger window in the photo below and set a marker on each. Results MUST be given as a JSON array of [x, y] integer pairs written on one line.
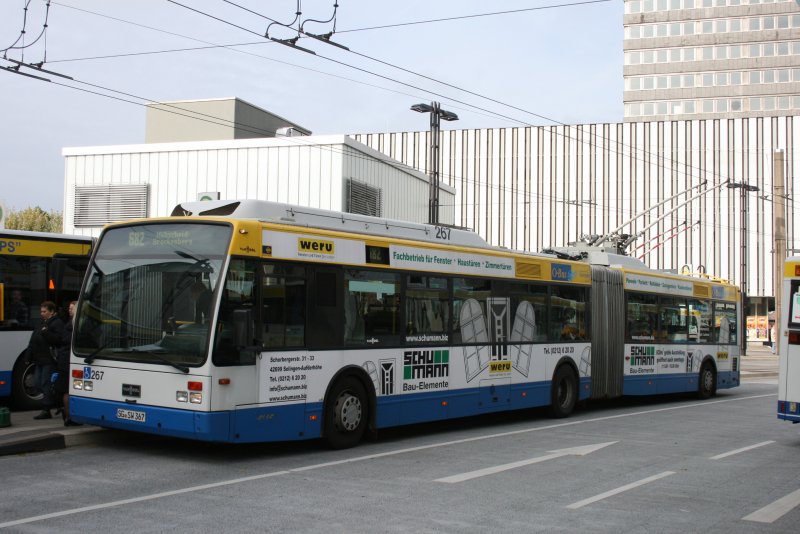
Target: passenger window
[[372, 308], [725, 323], [283, 305], [427, 310], [642, 317], [568, 314]]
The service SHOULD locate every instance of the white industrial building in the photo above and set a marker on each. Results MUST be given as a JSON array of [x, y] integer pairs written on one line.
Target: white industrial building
[[113, 183]]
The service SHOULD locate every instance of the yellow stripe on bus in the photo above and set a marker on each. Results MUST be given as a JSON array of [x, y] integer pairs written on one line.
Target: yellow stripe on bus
[[791, 269], [10, 246]]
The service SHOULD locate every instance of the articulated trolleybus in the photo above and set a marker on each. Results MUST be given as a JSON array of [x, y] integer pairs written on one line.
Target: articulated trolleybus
[[789, 343], [252, 321]]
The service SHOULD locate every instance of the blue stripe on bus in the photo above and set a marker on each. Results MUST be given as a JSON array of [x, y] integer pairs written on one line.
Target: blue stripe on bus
[[674, 383], [304, 421], [5, 383], [786, 413]]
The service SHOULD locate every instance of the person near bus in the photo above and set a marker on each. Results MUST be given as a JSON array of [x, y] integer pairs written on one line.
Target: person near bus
[[62, 365], [42, 347]]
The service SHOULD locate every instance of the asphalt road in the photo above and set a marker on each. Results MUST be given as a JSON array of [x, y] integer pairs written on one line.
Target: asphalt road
[[672, 464]]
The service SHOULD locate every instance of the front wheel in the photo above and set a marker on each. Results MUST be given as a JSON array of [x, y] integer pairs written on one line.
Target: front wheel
[[708, 382], [25, 393], [346, 414], [564, 395]]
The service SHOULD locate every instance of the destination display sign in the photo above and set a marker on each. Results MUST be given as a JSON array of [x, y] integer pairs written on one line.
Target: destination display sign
[[450, 262]]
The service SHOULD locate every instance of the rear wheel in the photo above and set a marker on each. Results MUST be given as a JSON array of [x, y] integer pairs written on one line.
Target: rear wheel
[[26, 395], [346, 414], [708, 382], [564, 393]]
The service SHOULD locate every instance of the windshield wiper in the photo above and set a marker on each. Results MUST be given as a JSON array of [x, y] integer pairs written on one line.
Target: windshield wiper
[[157, 354], [90, 358]]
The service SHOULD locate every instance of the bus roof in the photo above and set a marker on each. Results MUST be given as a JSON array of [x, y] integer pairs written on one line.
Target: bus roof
[[26, 234]]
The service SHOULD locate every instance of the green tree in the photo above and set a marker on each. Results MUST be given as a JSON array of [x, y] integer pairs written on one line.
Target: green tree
[[35, 219]]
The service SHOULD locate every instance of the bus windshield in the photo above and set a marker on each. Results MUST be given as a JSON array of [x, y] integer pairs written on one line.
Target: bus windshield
[[149, 294]]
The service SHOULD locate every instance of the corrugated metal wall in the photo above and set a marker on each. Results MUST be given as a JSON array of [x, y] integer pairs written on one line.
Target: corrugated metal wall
[[535, 187]]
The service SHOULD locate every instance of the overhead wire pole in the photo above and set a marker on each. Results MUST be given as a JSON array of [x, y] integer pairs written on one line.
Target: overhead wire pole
[[437, 114]]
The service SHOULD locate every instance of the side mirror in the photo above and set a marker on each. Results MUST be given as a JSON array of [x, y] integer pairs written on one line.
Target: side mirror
[[242, 328]]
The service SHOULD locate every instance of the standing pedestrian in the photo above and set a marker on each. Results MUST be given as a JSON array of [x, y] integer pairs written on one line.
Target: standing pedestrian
[[62, 364], [42, 348]]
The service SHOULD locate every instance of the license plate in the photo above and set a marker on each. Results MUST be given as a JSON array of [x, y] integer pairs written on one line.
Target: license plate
[[131, 415]]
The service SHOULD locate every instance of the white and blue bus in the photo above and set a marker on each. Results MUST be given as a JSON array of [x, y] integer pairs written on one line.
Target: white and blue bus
[[248, 321], [34, 267], [789, 343]]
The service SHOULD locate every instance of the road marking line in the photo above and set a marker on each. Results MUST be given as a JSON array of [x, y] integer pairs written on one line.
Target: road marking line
[[776, 510], [572, 451], [396, 452], [622, 489], [496, 469], [743, 449]]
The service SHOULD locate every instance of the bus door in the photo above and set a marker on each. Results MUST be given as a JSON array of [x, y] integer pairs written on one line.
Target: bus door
[[789, 345], [325, 308]]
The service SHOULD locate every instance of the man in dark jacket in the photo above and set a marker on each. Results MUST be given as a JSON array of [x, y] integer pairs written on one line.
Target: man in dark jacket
[[49, 335]]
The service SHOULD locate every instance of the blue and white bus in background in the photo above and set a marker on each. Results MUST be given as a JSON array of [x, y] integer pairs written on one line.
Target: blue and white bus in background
[[34, 267], [789, 343], [248, 321]]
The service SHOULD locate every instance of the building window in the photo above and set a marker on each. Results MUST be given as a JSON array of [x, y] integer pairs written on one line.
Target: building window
[[755, 77], [708, 106], [796, 75], [662, 56], [662, 108], [769, 103], [688, 80], [783, 49], [688, 106], [754, 24], [688, 28], [662, 82], [675, 81], [755, 104], [708, 80], [708, 52], [784, 76], [647, 82], [688, 54], [722, 78], [735, 51], [722, 52], [783, 102], [736, 25], [708, 26], [783, 22], [769, 76], [648, 108], [722, 26], [736, 78], [768, 23], [755, 50], [736, 105]]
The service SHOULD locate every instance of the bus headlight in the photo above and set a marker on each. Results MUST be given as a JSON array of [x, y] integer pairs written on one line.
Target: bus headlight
[[77, 384], [182, 396], [88, 385], [196, 398]]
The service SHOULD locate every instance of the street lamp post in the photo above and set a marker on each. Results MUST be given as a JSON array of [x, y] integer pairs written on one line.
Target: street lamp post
[[743, 190], [437, 114]]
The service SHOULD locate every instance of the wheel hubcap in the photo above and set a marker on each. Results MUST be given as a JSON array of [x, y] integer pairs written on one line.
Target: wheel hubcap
[[349, 412]]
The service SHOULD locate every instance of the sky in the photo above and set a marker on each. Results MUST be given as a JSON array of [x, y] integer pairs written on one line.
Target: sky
[[519, 63]]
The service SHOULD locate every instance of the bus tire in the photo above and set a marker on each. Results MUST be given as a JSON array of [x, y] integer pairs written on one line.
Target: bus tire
[[346, 413], [23, 390], [564, 392], [708, 382]]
